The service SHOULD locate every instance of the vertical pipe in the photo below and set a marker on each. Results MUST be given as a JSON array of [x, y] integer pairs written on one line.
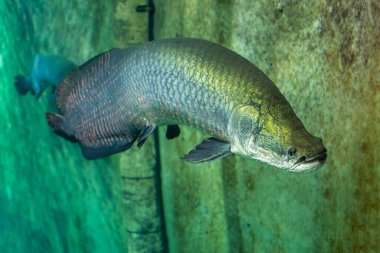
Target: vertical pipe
[[142, 201], [151, 12]]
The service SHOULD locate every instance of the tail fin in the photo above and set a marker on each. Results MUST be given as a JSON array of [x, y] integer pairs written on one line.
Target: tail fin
[[22, 84], [55, 121]]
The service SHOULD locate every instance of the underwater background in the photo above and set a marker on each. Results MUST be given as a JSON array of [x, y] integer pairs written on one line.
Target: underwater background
[[323, 55]]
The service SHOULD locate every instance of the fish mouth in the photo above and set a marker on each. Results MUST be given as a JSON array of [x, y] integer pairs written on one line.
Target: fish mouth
[[321, 158], [310, 163]]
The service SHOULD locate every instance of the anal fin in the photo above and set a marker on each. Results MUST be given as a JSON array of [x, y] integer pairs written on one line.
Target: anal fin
[[210, 149], [106, 147], [148, 130]]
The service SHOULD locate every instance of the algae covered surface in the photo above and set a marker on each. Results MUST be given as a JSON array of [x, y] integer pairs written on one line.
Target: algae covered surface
[[323, 55]]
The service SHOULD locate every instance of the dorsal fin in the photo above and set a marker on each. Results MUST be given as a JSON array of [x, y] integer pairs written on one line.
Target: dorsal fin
[[67, 85], [64, 88]]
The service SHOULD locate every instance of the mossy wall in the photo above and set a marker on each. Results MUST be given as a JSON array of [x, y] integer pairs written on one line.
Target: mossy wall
[[325, 58]]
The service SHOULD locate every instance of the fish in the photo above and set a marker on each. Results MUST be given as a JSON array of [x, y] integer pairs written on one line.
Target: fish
[[121, 96], [47, 71]]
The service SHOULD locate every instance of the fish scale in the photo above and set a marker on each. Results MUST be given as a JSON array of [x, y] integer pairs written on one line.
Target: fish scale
[[122, 95]]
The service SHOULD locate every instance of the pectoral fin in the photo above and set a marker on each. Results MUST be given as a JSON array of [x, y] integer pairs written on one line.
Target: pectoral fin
[[210, 149]]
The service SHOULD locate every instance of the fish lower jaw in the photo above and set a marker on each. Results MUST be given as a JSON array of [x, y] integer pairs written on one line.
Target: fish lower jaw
[[267, 157], [306, 167], [259, 156]]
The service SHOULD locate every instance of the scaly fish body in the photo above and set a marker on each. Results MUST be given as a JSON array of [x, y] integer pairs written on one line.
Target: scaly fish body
[[122, 95]]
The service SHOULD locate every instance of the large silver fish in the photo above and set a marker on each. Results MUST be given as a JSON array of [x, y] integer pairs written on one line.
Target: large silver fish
[[121, 96]]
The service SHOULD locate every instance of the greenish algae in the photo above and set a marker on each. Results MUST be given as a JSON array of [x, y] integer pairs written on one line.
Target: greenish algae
[[324, 57]]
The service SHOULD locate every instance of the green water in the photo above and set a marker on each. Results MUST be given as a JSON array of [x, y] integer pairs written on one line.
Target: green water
[[51, 199]]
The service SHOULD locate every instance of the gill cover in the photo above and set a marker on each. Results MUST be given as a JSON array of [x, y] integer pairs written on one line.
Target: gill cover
[[243, 126]]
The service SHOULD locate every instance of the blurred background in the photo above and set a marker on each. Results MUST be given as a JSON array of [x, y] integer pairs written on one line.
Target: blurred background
[[323, 55]]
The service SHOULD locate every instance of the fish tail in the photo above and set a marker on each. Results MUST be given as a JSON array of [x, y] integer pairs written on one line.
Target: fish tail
[[22, 84], [55, 121]]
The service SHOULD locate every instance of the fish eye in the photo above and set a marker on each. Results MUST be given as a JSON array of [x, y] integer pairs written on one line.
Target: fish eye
[[292, 151]]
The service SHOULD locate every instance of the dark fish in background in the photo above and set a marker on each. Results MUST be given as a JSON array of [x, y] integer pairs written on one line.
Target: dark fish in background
[[48, 70], [121, 96]]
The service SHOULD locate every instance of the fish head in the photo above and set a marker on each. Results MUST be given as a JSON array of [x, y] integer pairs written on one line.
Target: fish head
[[275, 136]]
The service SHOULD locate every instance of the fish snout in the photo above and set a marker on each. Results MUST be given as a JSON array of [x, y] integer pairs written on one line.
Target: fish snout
[[319, 158]]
